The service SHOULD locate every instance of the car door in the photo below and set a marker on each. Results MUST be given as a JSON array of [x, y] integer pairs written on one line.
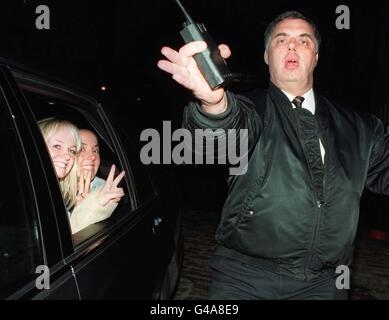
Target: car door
[[115, 258], [31, 261]]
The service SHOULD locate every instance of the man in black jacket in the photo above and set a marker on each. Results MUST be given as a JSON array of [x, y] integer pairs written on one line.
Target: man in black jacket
[[289, 223]]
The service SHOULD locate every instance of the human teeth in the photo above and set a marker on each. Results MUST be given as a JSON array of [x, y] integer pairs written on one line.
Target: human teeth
[[62, 165]]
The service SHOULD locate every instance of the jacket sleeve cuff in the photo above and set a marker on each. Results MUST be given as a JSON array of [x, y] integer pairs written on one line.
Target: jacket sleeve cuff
[[196, 117]]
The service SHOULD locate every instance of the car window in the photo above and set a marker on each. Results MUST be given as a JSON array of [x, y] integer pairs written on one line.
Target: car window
[[20, 241], [85, 116], [146, 190]]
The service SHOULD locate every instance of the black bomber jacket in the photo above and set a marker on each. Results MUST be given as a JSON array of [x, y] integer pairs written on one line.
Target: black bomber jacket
[[274, 211]]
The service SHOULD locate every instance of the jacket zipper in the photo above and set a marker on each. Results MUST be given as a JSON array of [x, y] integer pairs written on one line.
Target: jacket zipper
[[318, 203], [315, 236]]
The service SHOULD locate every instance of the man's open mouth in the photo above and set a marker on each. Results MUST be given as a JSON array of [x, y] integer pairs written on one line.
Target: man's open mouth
[[291, 63]]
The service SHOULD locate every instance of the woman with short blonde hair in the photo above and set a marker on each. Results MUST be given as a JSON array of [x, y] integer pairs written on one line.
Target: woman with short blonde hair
[[63, 141]]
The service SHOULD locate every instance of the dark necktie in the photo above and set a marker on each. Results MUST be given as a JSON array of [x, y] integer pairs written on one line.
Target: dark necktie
[[298, 101]]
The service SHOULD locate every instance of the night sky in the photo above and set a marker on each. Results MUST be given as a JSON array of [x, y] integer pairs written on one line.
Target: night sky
[[117, 44]]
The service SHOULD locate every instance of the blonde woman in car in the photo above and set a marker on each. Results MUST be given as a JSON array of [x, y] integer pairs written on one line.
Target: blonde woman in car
[[63, 142]]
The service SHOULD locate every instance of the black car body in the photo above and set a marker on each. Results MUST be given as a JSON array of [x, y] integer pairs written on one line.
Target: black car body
[[135, 254]]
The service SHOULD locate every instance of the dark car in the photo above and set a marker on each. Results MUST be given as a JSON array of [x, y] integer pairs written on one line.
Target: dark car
[[135, 254]]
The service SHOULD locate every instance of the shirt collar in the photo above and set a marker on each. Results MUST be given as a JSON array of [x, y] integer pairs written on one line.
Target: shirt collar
[[309, 100]]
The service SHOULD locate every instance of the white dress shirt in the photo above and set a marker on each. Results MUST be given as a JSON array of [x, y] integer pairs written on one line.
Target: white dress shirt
[[309, 104]]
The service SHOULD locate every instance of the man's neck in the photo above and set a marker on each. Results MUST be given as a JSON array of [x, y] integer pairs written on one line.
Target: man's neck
[[294, 88]]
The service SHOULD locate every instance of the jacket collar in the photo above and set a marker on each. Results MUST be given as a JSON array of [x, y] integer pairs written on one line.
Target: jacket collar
[[282, 104], [322, 112], [281, 100]]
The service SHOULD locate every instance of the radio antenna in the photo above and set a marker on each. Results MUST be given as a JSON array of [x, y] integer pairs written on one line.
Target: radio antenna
[[187, 16]]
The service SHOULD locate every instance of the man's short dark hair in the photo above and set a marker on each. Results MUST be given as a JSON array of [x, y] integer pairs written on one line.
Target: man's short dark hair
[[291, 15]]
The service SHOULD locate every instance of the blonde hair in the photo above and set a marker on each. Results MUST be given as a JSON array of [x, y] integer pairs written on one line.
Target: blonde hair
[[68, 184]]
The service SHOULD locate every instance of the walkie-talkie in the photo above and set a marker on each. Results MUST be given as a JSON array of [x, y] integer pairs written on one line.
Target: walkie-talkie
[[210, 62]]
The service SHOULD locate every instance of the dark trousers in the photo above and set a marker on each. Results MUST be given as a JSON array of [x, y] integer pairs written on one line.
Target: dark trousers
[[236, 280]]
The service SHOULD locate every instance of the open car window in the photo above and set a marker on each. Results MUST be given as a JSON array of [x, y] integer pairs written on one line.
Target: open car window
[[86, 116]]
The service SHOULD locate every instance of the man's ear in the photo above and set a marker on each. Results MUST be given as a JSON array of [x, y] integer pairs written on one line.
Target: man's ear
[[265, 57], [317, 58]]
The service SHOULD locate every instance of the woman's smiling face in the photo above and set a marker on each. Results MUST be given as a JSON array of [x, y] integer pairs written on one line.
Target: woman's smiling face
[[63, 151]]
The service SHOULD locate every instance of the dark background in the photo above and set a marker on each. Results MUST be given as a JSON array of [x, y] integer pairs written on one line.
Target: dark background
[[117, 44]]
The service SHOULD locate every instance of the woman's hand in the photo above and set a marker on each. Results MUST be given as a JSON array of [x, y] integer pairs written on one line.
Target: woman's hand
[[96, 205], [84, 183], [110, 193]]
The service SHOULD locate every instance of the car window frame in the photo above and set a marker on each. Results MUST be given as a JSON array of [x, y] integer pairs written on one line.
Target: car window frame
[[45, 209]]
